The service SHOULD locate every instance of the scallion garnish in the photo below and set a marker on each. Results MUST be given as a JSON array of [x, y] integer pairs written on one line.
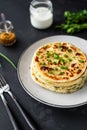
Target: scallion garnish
[[65, 55], [37, 54], [7, 59], [56, 56], [69, 50], [49, 60], [70, 59], [61, 73], [81, 61], [48, 54], [43, 63], [54, 62], [64, 67], [55, 68], [50, 72]]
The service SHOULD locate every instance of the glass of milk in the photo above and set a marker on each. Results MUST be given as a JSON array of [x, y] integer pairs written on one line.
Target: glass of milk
[[41, 14]]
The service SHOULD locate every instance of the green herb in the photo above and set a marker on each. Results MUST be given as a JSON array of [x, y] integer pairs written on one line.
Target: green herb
[[61, 73], [62, 60], [49, 60], [74, 21], [70, 59], [65, 55], [48, 54], [64, 67], [56, 56], [55, 68], [50, 72], [9, 61], [75, 17], [69, 50], [43, 63], [37, 54], [81, 61], [54, 62]]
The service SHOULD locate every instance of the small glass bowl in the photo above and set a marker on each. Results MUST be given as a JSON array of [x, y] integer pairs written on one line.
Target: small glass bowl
[[7, 38]]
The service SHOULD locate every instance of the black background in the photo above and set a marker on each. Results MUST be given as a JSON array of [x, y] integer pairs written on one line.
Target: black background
[[46, 117]]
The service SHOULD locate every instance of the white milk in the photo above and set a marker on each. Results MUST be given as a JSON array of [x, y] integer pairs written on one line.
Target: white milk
[[41, 18]]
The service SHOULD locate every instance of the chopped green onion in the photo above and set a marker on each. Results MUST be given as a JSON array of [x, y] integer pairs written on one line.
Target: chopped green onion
[[62, 60], [50, 72], [48, 54], [81, 61], [55, 68], [65, 55], [70, 59], [61, 73], [49, 60], [37, 54], [43, 63], [64, 67], [69, 50], [56, 56], [54, 62]]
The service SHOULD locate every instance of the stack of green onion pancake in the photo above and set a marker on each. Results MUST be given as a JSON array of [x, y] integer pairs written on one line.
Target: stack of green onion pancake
[[59, 67]]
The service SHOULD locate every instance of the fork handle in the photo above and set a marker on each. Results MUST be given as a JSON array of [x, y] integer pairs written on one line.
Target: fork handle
[[9, 112], [29, 122]]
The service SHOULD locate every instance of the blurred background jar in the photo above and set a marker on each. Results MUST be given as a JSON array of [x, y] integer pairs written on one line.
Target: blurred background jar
[[7, 38], [41, 14]]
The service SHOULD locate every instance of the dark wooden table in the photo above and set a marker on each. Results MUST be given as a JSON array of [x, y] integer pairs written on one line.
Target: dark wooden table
[[46, 117]]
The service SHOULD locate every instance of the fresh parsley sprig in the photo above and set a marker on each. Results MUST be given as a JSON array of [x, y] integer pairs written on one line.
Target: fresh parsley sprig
[[74, 21]]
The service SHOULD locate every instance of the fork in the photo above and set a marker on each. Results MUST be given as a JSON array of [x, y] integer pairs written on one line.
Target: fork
[[4, 87], [7, 109]]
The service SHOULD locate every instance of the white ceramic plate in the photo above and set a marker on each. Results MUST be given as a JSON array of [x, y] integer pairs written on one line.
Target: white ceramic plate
[[75, 99]]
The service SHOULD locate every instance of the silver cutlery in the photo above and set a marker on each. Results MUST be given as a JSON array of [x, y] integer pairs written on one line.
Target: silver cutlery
[[4, 87]]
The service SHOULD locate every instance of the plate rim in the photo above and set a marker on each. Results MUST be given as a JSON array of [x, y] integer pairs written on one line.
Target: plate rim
[[33, 96]]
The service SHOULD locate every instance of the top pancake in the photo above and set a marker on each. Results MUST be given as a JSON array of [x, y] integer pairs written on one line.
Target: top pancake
[[59, 62]]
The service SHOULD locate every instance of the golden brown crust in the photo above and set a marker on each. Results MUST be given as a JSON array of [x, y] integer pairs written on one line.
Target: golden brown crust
[[58, 63]]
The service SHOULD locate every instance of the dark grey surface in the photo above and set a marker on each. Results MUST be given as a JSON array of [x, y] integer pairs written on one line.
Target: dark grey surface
[[46, 117]]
